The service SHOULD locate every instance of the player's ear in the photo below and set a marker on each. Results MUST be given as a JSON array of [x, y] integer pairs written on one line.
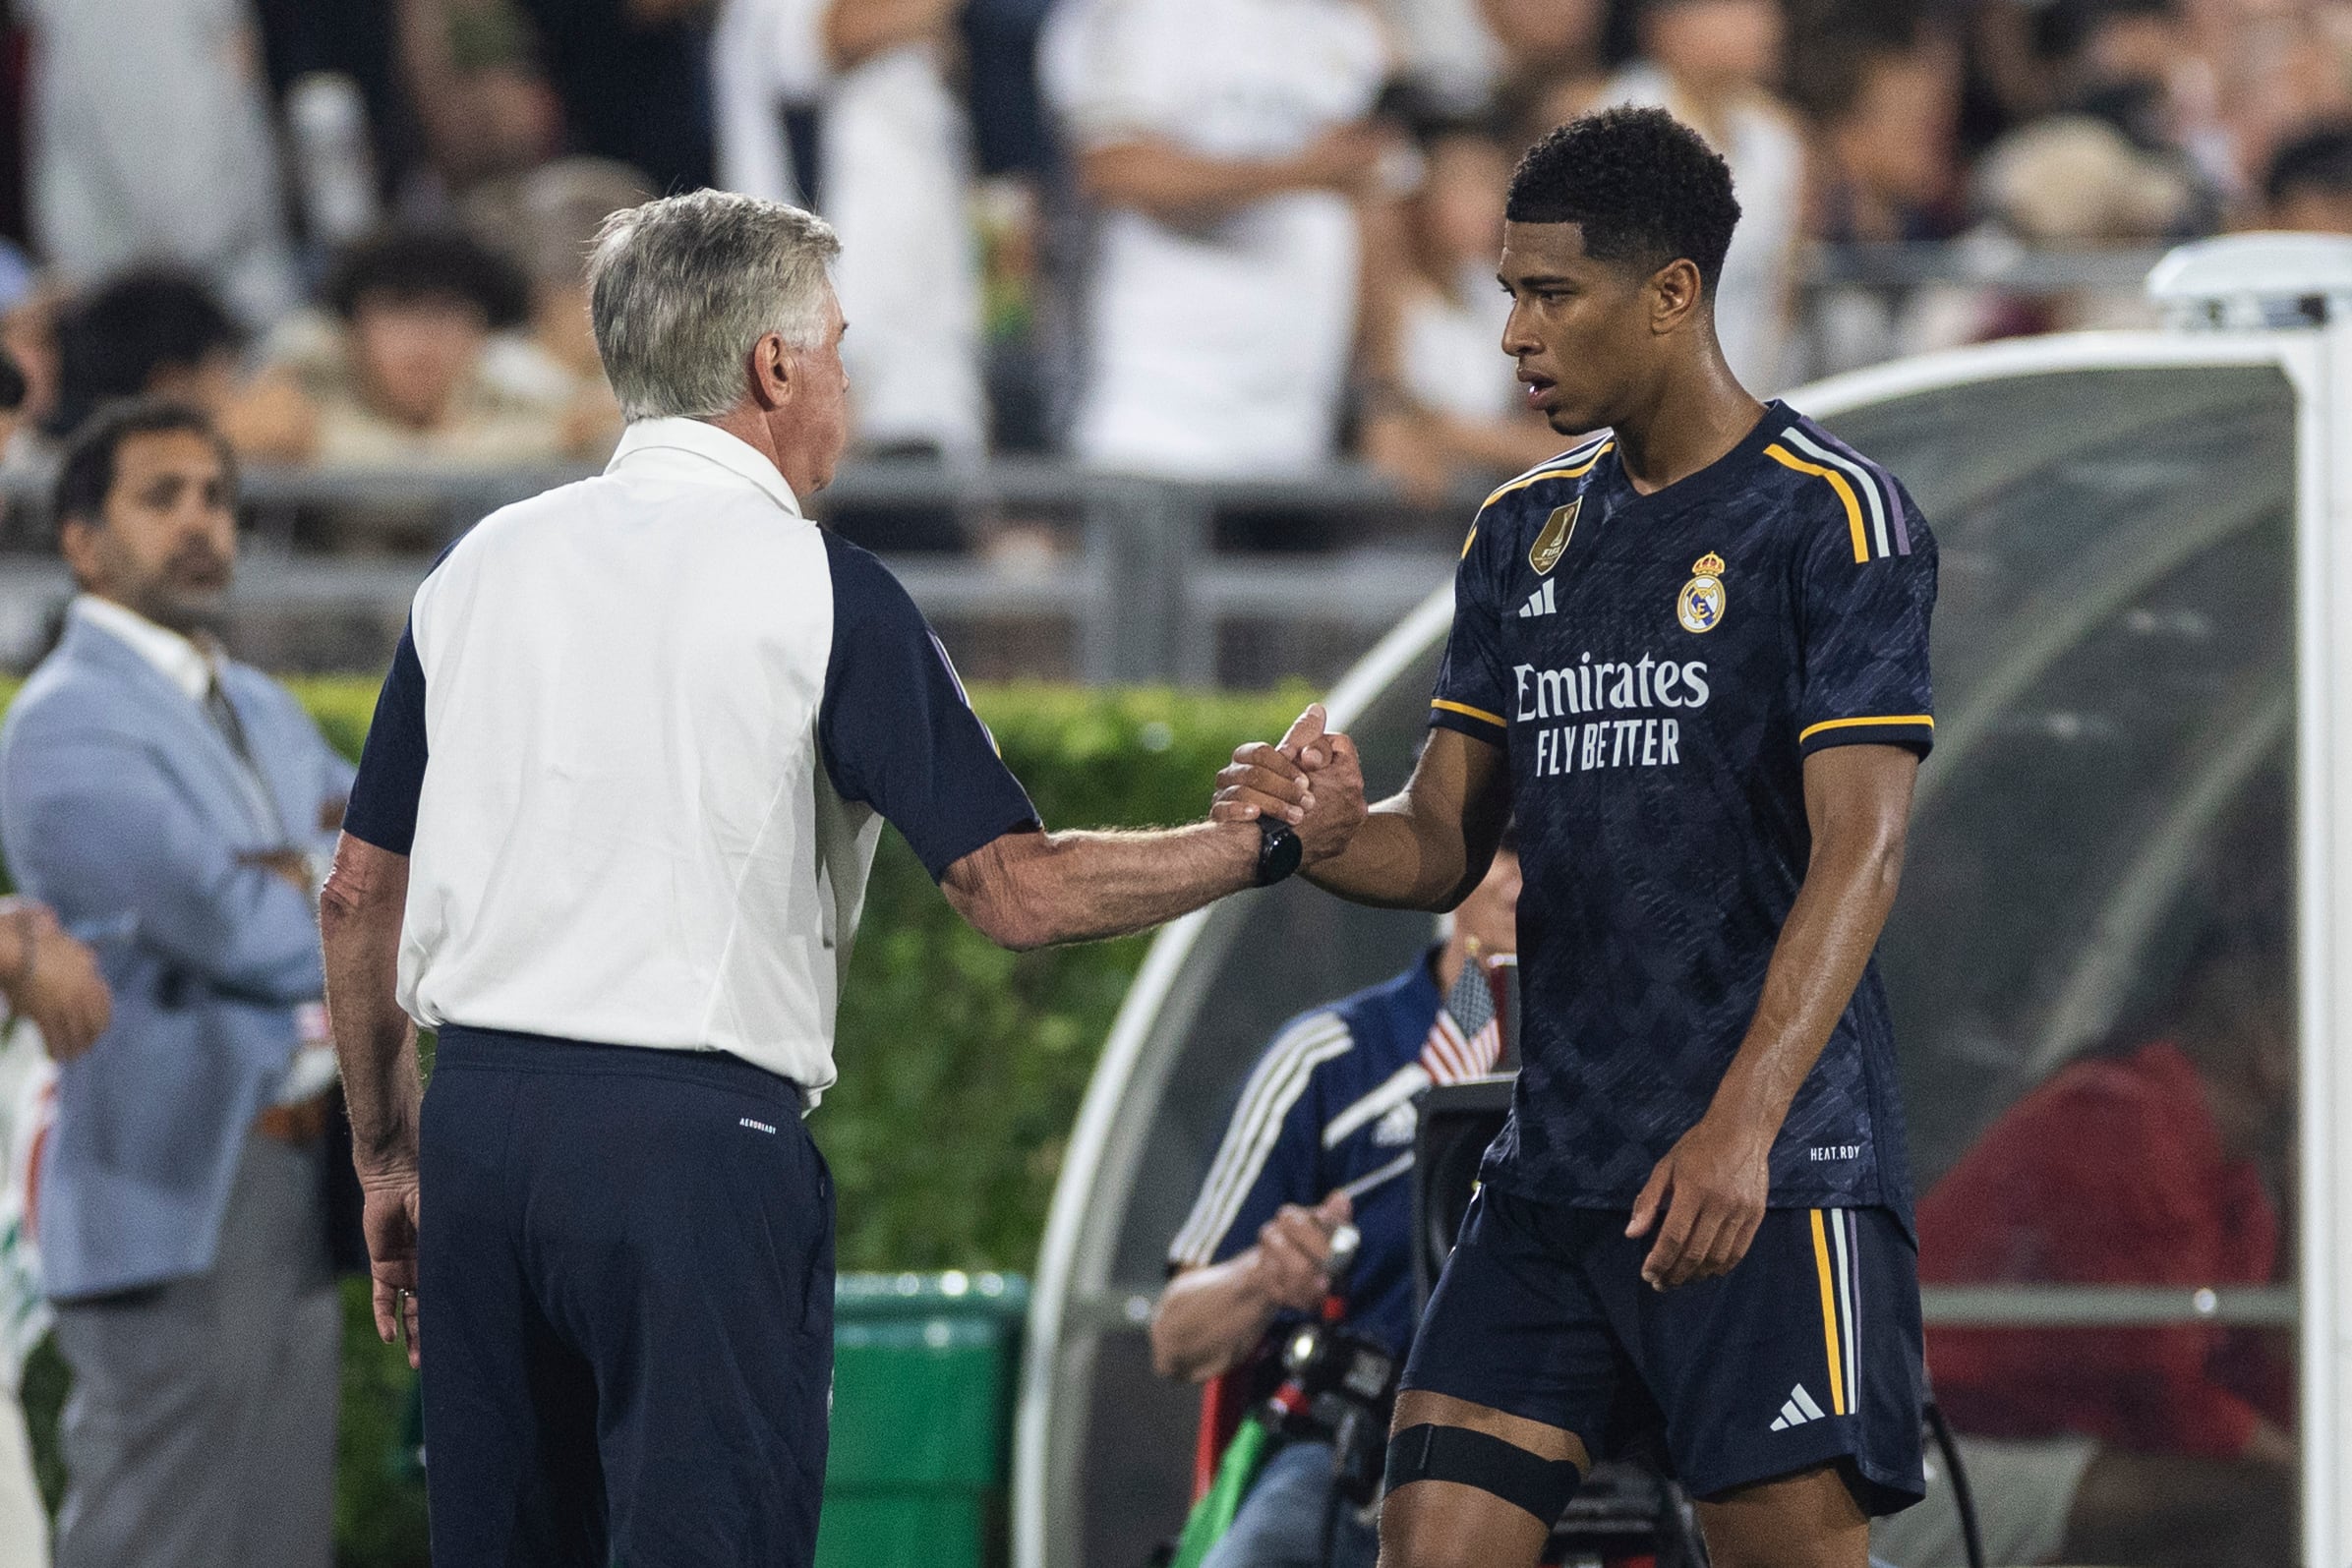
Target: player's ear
[[1675, 293]]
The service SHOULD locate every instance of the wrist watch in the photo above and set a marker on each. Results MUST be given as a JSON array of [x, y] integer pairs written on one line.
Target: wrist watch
[[1278, 852]]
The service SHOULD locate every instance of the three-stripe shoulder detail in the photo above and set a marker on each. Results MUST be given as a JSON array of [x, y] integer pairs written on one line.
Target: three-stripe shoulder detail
[[1280, 1077], [1568, 465], [1874, 515]]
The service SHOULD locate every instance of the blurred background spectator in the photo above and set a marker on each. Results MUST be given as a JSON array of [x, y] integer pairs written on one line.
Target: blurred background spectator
[[154, 141], [1447, 403], [163, 333], [1228, 240], [545, 221], [418, 364], [2309, 186], [844, 106], [2158, 1158], [1713, 63], [1177, 239], [1227, 146]]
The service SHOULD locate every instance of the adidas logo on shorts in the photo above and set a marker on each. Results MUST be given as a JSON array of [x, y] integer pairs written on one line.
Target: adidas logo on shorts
[[1798, 1410]]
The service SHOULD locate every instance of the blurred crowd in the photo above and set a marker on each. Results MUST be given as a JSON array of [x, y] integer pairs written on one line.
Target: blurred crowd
[[1189, 238]]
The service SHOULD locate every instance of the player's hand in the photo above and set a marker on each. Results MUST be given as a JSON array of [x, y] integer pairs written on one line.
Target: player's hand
[[1712, 1185], [1272, 781], [1294, 1251], [1338, 808], [388, 1214]]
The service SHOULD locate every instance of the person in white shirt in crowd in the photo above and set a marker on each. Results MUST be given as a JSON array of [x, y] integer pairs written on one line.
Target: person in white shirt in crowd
[[545, 221], [887, 159], [153, 143], [1712, 63], [1226, 143], [1447, 405]]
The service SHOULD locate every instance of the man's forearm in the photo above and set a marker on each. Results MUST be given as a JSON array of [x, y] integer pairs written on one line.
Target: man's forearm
[[1178, 186], [1033, 890], [1397, 861], [359, 917], [1210, 1318]]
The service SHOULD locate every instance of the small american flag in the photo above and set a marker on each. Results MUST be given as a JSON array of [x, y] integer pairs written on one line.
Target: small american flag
[[1466, 1041]]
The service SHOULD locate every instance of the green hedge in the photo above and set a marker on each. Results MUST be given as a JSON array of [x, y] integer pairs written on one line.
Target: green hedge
[[962, 1066]]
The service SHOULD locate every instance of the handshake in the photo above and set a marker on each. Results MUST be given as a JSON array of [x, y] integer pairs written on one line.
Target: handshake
[[1311, 780]]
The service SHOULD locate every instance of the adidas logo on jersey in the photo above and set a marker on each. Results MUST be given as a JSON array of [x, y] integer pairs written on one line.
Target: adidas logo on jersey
[[1397, 1128], [1541, 602], [1798, 1410]]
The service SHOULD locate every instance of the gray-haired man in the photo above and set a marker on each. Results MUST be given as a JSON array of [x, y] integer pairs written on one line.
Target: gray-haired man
[[664, 715]]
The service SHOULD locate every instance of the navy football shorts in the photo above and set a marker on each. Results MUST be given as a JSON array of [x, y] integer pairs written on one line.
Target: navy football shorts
[[1807, 1354]]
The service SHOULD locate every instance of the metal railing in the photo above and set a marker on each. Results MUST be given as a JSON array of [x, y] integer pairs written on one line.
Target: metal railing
[[1131, 582]]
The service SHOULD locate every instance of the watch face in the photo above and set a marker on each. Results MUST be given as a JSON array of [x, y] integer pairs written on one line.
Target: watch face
[[1278, 854]]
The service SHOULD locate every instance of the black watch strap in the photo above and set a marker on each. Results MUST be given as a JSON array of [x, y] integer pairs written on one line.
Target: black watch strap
[[1278, 852]]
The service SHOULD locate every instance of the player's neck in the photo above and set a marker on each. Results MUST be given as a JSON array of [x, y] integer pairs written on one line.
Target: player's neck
[[1696, 418]]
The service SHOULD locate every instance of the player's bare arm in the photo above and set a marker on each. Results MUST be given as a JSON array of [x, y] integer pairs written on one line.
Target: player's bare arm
[[359, 922], [1034, 889], [1422, 848], [1712, 1184]]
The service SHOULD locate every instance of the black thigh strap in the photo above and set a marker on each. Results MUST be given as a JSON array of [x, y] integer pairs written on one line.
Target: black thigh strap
[[1542, 1486]]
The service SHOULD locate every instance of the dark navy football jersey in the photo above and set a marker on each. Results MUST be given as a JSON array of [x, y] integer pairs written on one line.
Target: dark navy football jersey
[[1658, 668]]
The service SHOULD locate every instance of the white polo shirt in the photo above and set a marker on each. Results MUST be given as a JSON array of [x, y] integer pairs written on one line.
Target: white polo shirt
[[635, 744]]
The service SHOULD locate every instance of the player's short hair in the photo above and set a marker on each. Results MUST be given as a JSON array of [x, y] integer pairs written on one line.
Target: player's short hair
[[1645, 189], [86, 469], [681, 287]]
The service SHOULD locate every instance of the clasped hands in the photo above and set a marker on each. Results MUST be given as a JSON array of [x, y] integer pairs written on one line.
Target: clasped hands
[[1311, 780]]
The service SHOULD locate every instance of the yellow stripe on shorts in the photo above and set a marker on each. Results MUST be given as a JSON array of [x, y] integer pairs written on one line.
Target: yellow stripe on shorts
[[1829, 1317]]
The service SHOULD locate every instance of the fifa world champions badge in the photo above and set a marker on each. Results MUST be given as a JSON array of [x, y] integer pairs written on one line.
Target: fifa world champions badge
[[1552, 542], [1700, 604]]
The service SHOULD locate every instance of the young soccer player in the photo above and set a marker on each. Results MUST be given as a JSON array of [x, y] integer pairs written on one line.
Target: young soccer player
[[1692, 653]]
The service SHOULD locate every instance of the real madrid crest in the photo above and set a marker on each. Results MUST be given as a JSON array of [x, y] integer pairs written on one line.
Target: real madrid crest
[[1700, 604], [1552, 542]]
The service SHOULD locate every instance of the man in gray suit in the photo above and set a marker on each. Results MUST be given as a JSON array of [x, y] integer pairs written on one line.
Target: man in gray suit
[[153, 787]]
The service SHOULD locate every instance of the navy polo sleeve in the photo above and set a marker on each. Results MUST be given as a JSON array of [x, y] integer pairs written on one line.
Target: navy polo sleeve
[[1473, 693], [392, 768], [1866, 609], [895, 729]]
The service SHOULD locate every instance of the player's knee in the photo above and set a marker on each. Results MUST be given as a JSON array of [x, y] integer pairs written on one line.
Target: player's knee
[[1459, 1498]]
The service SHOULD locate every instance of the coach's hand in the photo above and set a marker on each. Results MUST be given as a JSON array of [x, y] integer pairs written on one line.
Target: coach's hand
[[1294, 1253], [1712, 1185], [389, 1215], [1311, 780]]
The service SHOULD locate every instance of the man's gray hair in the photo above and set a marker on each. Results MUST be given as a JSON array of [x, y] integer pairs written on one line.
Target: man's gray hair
[[680, 288]]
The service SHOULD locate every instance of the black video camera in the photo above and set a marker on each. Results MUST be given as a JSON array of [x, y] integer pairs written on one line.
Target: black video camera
[[1339, 1386]]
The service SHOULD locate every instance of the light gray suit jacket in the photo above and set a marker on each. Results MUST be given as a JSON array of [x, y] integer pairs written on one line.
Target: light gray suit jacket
[[119, 798]]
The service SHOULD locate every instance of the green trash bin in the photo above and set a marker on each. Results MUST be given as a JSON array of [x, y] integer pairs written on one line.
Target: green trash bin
[[924, 1379]]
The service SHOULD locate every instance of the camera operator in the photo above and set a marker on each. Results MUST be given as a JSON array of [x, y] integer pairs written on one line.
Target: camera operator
[[1323, 1137]]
